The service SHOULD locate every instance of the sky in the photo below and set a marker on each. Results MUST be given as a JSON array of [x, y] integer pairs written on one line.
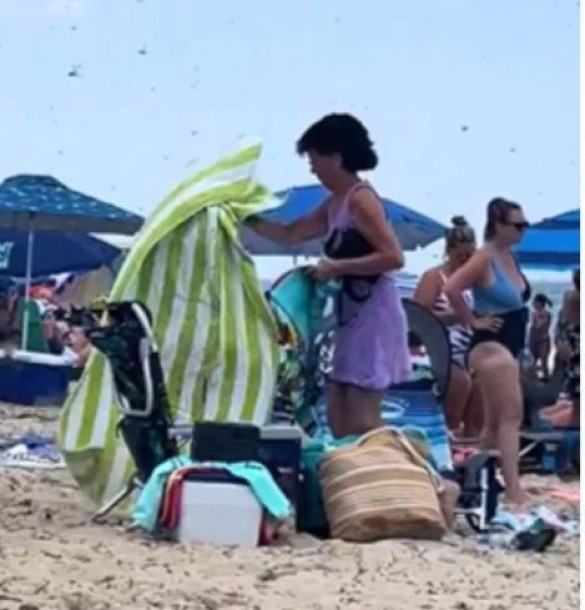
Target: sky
[[465, 99]]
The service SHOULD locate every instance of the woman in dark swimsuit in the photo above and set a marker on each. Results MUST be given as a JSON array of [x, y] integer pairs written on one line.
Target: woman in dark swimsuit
[[499, 322]]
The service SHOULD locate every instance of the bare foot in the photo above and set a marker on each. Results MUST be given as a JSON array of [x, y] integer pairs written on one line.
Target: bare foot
[[563, 418], [552, 409], [517, 500]]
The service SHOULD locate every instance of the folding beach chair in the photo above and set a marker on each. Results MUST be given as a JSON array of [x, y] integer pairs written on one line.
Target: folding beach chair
[[129, 345], [543, 448], [304, 365]]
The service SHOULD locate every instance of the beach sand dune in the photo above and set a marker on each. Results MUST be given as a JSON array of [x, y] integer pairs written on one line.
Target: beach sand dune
[[51, 557]]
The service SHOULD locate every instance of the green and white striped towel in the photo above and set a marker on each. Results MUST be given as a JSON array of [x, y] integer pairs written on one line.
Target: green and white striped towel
[[216, 334]]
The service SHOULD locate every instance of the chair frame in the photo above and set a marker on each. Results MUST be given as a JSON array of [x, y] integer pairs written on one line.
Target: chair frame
[[147, 348]]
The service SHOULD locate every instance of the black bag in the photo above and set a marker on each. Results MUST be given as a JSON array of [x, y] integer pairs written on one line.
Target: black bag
[[225, 442], [350, 243]]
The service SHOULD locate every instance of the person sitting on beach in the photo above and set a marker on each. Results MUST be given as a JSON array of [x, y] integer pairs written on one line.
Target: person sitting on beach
[[566, 412], [371, 351], [77, 341], [461, 400], [539, 341], [499, 320]]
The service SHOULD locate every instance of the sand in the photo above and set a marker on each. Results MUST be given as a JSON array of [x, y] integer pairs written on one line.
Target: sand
[[51, 556]]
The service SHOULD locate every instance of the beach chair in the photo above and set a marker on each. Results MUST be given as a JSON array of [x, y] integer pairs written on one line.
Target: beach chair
[[128, 342], [475, 474], [543, 448]]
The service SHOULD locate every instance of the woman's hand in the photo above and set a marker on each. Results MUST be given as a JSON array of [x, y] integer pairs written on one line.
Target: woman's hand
[[490, 323], [324, 271]]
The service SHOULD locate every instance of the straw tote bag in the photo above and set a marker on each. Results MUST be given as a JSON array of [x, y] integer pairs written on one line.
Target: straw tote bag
[[381, 487]]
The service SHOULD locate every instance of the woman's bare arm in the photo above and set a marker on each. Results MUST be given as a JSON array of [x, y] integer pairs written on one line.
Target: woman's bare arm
[[310, 227], [426, 293], [473, 273]]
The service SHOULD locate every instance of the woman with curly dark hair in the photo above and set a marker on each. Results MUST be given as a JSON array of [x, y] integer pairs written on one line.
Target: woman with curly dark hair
[[371, 350]]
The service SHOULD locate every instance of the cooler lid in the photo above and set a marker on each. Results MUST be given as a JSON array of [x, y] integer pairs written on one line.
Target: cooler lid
[[280, 432]]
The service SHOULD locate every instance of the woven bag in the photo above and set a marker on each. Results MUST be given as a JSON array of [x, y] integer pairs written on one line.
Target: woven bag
[[381, 487]]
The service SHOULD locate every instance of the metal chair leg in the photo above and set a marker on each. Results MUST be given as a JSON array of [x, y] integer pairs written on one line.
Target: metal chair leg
[[116, 500]]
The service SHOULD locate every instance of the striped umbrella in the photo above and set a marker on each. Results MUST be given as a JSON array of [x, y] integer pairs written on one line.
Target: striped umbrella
[[216, 334], [554, 243]]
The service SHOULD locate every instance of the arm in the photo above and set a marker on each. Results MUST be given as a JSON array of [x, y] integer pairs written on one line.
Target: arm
[[426, 292], [304, 229], [370, 220], [473, 273]]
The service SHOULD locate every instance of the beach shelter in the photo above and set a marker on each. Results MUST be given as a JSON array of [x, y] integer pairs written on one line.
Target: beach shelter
[[413, 229], [54, 252], [33, 203], [216, 333], [553, 243]]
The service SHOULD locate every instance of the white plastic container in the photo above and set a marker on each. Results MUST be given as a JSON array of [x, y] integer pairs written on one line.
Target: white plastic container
[[221, 514]]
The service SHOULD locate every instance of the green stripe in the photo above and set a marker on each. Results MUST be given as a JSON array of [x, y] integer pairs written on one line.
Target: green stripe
[[170, 278], [229, 331], [107, 455], [212, 344], [259, 318], [144, 279], [189, 326], [94, 391]]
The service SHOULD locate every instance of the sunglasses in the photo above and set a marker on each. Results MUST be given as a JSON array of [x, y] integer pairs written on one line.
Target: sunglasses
[[519, 226]]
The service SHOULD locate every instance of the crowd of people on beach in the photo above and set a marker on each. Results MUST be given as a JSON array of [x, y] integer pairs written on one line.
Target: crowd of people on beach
[[478, 292]]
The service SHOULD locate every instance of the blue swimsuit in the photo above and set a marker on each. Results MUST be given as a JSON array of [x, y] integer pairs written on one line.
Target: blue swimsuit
[[504, 300]]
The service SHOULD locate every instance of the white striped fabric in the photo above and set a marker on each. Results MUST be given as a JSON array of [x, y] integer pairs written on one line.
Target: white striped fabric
[[216, 334]]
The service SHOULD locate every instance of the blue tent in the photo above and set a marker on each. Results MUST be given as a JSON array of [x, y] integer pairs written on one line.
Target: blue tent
[[554, 243], [43, 203], [54, 252], [414, 230]]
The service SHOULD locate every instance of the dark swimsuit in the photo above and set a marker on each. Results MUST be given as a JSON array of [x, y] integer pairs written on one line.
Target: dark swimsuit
[[503, 300]]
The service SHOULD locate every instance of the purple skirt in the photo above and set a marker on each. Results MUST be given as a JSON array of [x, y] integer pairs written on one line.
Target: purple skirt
[[371, 344]]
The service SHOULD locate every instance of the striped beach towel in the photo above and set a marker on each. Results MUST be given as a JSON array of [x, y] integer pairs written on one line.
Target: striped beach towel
[[216, 333]]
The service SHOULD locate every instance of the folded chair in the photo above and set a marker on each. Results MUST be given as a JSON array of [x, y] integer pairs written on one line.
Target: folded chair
[[304, 366], [128, 342]]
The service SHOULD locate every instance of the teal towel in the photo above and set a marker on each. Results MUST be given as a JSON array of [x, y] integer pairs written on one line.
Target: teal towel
[[262, 485]]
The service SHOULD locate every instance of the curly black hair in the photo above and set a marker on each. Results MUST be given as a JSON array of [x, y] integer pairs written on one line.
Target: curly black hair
[[344, 135]]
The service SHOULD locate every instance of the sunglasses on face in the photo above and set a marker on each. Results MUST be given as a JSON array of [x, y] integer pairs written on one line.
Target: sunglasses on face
[[519, 226]]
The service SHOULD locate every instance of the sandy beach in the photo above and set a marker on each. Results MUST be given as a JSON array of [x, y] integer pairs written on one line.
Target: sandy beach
[[52, 557]]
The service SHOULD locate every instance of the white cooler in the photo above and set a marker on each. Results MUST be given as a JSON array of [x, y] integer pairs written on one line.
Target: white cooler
[[219, 513]]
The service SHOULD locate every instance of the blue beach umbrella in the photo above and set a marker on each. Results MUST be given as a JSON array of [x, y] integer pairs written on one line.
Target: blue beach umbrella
[[414, 230], [54, 252], [41, 203], [553, 244]]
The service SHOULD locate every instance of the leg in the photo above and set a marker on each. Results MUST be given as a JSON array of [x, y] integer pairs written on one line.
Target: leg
[[336, 408], [498, 377], [544, 358], [458, 395], [363, 410], [473, 418]]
